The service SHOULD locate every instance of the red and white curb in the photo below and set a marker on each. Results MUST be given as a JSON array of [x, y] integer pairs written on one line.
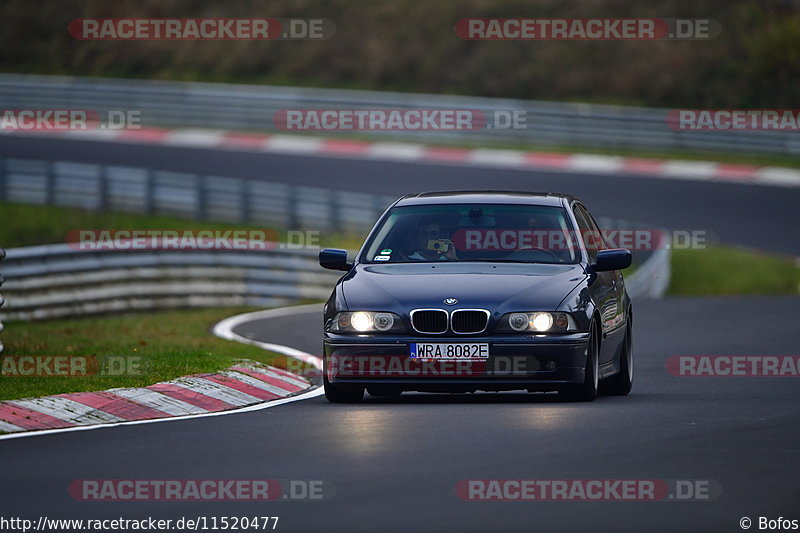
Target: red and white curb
[[245, 383], [409, 152], [245, 386]]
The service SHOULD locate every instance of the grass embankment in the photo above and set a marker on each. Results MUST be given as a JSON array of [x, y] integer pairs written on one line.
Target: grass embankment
[[168, 344], [720, 271], [408, 45], [29, 225]]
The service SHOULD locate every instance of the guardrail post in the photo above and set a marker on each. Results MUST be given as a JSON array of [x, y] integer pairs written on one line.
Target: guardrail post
[[2, 279], [245, 216], [149, 191], [291, 199], [50, 183], [102, 188], [200, 208], [336, 211], [2, 180], [378, 205]]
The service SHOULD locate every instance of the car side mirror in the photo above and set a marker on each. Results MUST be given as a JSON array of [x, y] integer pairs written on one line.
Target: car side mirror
[[615, 259], [334, 259]]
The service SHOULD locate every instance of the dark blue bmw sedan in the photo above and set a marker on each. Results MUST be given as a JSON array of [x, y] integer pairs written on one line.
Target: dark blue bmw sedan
[[479, 290]]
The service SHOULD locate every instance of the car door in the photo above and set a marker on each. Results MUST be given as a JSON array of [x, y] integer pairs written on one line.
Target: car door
[[603, 290], [617, 280]]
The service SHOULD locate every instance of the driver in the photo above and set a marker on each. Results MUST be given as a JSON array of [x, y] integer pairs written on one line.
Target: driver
[[428, 229]]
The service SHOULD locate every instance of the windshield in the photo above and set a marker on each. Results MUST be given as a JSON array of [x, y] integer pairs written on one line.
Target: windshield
[[473, 232]]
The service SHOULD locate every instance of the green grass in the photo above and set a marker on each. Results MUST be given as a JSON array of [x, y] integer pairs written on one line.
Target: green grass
[[29, 225], [740, 158], [723, 270], [170, 344]]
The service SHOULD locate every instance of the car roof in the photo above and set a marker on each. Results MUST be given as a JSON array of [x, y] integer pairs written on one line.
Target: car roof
[[485, 197]]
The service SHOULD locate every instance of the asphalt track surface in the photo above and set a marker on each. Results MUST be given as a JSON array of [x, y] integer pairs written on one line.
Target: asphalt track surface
[[393, 464], [756, 216]]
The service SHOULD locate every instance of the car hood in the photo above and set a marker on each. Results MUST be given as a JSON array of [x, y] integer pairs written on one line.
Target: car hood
[[500, 287]]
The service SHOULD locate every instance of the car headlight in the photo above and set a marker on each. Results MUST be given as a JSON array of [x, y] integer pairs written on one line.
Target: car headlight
[[365, 322], [538, 322]]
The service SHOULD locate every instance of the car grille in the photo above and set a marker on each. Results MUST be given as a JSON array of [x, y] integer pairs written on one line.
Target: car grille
[[429, 320], [469, 321]]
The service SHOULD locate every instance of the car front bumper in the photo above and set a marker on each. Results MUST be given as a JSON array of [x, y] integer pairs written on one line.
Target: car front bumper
[[531, 362]]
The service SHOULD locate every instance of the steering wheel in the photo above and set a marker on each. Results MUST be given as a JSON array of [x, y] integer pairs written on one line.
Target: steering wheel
[[523, 251]]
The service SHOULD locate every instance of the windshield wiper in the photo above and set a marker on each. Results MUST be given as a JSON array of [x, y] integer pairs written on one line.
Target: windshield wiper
[[505, 261]]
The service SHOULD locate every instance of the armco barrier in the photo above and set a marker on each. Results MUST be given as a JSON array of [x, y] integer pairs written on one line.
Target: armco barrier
[[2, 279], [252, 107], [651, 279], [218, 198], [58, 281]]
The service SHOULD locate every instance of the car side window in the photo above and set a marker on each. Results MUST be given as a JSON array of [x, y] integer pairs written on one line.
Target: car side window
[[601, 240], [590, 234]]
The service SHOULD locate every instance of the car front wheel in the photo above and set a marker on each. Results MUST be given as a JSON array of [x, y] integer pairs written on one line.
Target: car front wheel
[[342, 394], [587, 391], [620, 384]]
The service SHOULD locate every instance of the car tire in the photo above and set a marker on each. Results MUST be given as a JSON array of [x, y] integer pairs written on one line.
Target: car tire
[[587, 391], [620, 384], [342, 394]]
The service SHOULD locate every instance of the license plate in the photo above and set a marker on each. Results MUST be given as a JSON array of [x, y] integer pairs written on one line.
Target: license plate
[[452, 351]]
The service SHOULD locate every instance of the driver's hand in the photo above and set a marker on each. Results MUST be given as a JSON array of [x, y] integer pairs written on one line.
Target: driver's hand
[[451, 252]]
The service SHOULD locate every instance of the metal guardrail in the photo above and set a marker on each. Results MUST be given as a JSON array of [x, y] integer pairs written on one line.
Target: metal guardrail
[[652, 272], [218, 198], [53, 281], [57, 281], [651, 279], [252, 107], [2, 280]]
